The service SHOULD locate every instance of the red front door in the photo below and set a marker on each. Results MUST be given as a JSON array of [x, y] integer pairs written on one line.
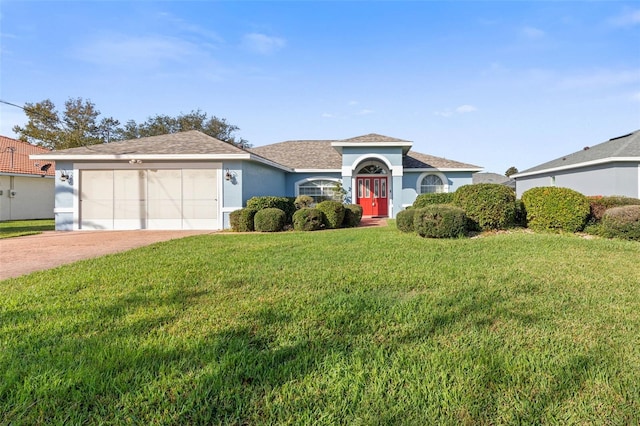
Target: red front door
[[372, 195]]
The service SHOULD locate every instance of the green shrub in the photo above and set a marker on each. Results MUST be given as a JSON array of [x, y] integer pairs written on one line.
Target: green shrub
[[404, 220], [270, 220], [333, 213], [242, 220], [303, 201], [424, 200], [308, 219], [551, 208], [487, 205], [286, 204], [352, 215], [439, 221], [622, 222], [599, 205], [520, 218]]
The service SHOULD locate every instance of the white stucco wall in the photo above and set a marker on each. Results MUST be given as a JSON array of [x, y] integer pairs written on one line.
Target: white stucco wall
[[26, 197]]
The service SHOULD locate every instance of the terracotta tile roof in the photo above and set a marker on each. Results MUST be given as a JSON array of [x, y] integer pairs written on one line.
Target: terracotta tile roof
[[183, 143], [14, 158]]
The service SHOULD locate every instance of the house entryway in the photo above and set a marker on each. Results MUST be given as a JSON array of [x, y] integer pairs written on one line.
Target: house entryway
[[373, 195]]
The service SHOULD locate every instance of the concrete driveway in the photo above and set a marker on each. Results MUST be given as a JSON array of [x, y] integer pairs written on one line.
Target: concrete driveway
[[22, 255]]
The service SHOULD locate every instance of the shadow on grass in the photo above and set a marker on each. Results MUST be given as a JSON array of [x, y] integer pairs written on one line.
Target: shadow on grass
[[125, 367]]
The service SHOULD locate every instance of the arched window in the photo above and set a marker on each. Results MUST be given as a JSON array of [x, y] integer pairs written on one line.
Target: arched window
[[431, 184], [319, 189]]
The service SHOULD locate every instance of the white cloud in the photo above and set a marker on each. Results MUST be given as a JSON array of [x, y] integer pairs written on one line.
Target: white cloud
[[262, 44], [462, 109], [532, 33], [635, 97], [141, 51], [629, 18], [327, 115], [365, 112], [353, 102]]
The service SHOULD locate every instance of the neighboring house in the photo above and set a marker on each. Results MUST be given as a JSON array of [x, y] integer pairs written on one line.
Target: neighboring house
[[192, 181], [26, 186], [494, 178], [610, 168]]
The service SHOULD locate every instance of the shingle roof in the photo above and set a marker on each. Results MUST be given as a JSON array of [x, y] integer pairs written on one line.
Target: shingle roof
[[372, 138], [417, 160], [312, 154], [627, 146], [183, 143], [493, 178], [319, 154], [14, 158]]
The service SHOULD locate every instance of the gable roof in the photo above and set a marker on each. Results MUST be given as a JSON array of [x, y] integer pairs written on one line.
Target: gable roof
[[621, 148], [493, 178], [319, 155], [182, 143], [14, 158]]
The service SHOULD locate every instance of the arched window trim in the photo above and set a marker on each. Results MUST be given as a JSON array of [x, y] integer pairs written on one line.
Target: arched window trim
[[443, 178], [312, 179]]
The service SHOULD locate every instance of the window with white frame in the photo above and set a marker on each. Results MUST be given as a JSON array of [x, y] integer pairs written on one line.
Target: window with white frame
[[432, 184], [319, 190]]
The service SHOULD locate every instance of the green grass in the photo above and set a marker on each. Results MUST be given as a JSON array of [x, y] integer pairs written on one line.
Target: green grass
[[20, 228], [354, 326]]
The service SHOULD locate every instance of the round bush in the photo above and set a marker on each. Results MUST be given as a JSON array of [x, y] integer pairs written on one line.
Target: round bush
[[285, 204], [308, 219], [551, 208], [404, 220], [303, 201], [439, 221], [424, 200], [599, 205], [333, 213], [622, 222], [242, 220], [269, 220], [352, 215], [488, 206]]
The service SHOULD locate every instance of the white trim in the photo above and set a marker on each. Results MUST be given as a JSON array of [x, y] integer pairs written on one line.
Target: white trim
[[444, 169], [365, 144], [63, 210], [443, 178], [229, 209], [578, 165], [318, 170], [296, 185]]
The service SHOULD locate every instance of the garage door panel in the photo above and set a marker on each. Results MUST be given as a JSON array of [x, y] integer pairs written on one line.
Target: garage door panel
[[96, 199]]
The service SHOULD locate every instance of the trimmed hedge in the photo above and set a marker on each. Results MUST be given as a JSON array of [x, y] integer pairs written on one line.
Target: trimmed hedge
[[333, 213], [303, 201], [404, 220], [599, 205], [308, 219], [269, 220], [286, 204], [439, 221], [242, 220], [622, 222], [551, 208], [352, 215], [424, 200], [488, 206]]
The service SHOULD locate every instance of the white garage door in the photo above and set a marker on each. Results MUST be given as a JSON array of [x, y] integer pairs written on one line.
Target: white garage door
[[149, 199]]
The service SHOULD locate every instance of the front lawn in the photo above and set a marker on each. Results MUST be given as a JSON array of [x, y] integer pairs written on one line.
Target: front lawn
[[19, 228], [353, 326]]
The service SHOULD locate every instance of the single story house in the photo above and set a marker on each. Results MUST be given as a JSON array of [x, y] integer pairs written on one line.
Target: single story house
[[609, 168], [190, 180], [495, 178], [26, 186]]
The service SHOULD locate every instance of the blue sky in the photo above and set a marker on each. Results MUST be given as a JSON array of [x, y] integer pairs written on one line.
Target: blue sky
[[495, 84]]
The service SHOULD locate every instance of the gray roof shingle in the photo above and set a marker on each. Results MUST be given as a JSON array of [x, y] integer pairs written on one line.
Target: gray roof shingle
[[183, 143], [627, 146]]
